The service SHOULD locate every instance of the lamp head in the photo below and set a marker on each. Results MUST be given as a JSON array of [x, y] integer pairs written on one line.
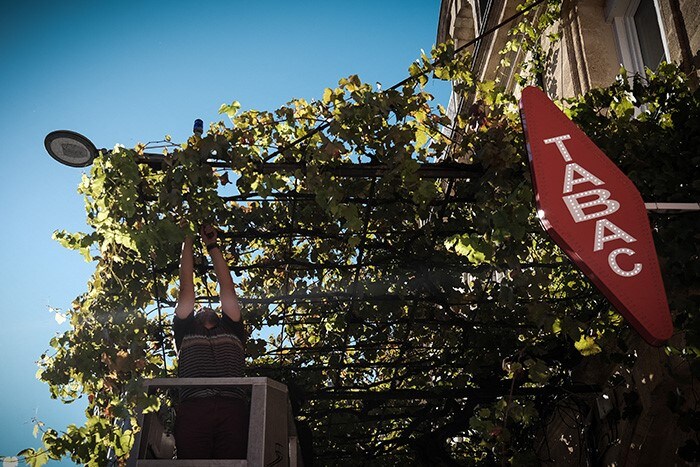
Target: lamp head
[[70, 148]]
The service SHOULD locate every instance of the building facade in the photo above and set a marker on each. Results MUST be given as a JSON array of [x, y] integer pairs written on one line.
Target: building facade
[[630, 423], [597, 38]]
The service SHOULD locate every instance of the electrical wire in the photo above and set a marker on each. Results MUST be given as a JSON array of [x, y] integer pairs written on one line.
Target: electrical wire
[[413, 77]]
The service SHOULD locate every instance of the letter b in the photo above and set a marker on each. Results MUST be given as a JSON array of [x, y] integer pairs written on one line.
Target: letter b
[[603, 199]]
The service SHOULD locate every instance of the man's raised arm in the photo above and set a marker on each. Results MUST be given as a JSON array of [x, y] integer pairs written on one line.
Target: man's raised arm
[[227, 291], [185, 300]]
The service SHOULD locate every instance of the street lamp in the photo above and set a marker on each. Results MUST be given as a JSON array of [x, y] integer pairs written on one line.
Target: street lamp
[[70, 148], [75, 150]]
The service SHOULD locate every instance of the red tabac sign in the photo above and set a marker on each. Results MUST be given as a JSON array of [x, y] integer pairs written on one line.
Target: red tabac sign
[[596, 215]]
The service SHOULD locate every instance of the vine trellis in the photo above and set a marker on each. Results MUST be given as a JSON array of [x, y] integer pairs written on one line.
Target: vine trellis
[[377, 279], [410, 302]]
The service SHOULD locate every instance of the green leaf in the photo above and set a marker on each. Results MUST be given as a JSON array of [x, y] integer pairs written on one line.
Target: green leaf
[[556, 326], [327, 95], [587, 346], [414, 69], [230, 109], [34, 458]]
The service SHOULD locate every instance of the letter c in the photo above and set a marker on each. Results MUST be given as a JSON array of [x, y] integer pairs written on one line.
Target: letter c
[[612, 260]]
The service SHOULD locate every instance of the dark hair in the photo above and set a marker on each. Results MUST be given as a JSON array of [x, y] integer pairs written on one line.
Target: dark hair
[[200, 316]]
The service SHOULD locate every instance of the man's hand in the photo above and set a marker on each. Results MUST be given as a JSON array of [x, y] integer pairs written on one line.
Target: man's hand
[[184, 225], [209, 235]]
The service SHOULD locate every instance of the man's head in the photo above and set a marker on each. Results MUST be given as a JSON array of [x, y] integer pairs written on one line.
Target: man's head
[[208, 317]]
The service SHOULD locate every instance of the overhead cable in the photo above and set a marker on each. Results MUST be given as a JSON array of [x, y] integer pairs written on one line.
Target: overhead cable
[[412, 77]]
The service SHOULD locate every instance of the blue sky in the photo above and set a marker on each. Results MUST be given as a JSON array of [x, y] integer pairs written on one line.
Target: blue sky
[[128, 72]]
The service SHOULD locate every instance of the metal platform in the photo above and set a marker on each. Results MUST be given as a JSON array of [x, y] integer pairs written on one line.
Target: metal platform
[[272, 438]]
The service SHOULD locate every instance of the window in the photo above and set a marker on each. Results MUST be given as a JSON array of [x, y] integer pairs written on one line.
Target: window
[[482, 8], [638, 32], [649, 34]]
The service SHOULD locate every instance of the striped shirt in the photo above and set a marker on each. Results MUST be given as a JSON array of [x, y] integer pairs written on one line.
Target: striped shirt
[[210, 353]]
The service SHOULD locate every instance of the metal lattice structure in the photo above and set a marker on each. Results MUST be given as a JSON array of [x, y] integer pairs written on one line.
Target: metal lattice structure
[[378, 328]]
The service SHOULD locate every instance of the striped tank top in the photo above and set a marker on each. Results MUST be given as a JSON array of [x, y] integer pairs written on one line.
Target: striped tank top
[[210, 353]]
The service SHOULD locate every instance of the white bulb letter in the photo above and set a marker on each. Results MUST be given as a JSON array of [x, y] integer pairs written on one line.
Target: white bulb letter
[[586, 176], [576, 208], [558, 140], [600, 238], [612, 260]]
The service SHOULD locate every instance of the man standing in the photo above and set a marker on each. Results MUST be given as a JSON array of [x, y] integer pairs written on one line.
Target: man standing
[[211, 423]]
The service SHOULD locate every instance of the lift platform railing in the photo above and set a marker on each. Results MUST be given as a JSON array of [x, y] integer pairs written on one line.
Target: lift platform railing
[[272, 437]]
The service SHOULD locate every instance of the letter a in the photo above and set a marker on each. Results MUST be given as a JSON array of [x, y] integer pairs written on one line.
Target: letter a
[[586, 176], [601, 238]]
